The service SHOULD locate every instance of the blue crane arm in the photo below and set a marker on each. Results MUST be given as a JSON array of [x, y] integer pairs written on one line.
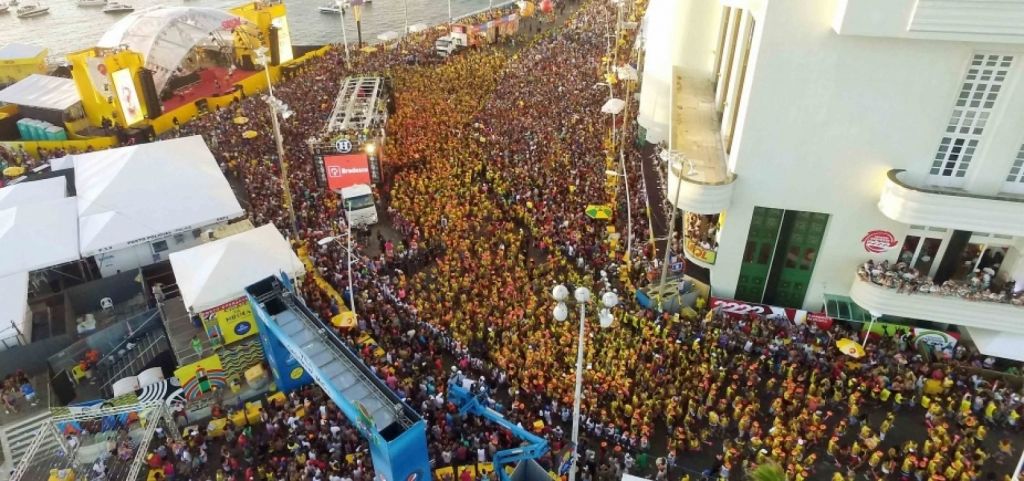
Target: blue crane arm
[[536, 446]]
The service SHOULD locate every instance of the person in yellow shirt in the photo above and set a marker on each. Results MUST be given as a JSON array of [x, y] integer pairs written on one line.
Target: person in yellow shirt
[[838, 476], [886, 425]]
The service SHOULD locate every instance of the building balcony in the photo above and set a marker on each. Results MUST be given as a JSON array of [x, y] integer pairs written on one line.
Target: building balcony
[[701, 182], [700, 244], [904, 202], [999, 21], [948, 305]]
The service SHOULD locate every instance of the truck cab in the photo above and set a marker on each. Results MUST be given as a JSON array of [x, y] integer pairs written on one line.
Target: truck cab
[[450, 43], [360, 205]]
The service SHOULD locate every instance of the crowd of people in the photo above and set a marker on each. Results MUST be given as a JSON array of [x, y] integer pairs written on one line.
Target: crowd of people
[[492, 157], [904, 278]]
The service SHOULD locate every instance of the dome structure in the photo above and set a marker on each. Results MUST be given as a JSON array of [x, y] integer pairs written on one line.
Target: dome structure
[[165, 35]]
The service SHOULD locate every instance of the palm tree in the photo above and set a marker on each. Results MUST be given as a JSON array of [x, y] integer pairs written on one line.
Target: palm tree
[[768, 471]]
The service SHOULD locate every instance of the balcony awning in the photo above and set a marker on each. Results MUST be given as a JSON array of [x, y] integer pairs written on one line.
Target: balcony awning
[[843, 308], [1006, 345]]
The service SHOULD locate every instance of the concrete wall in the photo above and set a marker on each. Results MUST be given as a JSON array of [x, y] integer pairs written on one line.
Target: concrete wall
[[824, 116]]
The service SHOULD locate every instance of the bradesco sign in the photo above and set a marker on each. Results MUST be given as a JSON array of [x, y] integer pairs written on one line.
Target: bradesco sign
[[346, 170]]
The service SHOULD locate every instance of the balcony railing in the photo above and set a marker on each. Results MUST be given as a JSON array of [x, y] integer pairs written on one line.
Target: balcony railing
[[969, 303]]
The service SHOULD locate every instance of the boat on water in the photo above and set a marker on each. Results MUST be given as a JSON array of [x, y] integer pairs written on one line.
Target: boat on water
[[30, 10], [118, 7], [330, 8], [4, 8], [91, 3]]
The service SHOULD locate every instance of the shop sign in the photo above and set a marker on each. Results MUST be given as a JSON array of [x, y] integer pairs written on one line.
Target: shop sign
[[699, 252], [879, 241], [739, 308], [234, 320]]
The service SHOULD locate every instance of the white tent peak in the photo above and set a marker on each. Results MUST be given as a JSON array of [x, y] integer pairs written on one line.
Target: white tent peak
[[38, 235], [33, 191], [148, 191], [217, 272]]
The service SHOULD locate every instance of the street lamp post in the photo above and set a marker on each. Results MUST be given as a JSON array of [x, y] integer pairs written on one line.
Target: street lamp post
[[582, 296], [357, 11], [277, 107], [348, 250], [343, 5], [629, 208], [449, 16], [675, 160], [405, 4]]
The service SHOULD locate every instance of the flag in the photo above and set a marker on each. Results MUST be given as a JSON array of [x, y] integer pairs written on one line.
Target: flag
[[566, 458]]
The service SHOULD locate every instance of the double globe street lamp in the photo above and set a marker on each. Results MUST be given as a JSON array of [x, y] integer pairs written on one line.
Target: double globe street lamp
[[582, 296]]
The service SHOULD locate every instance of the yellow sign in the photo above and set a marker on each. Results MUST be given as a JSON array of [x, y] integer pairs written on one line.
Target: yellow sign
[[234, 320], [201, 377], [699, 252], [297, 373]]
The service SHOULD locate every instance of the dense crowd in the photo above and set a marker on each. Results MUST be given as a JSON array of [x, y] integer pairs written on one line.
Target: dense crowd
[[493, 156]]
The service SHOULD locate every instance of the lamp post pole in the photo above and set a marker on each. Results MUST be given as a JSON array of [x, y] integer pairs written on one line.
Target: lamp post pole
[[357, 11], [671, 225], [351, 286], [343, 5], [405, 4], [582, 296], [272, 102]]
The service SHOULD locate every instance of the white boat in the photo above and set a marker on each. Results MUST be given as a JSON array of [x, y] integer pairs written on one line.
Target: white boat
[[118, 7], [30, 10], [4, 8], [91, 3], [330, 8]]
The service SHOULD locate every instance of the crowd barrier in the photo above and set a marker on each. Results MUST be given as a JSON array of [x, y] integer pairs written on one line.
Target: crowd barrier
[[80, 145]]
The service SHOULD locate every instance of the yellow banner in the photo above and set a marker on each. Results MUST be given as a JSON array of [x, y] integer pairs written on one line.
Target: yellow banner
[[233, 320], [201, 377]]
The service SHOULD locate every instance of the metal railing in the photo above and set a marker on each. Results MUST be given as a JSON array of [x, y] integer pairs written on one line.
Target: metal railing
[[144, 355]]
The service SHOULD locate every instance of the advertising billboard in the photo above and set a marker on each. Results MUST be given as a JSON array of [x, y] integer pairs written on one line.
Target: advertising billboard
[[233, 320], [346, 170], [127, 97]]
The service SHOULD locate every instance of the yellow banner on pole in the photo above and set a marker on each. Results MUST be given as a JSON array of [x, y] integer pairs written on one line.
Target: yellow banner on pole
[[233, 320]]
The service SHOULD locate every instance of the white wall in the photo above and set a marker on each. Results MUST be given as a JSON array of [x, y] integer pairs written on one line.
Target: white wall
[[824, 116], [141, 255]]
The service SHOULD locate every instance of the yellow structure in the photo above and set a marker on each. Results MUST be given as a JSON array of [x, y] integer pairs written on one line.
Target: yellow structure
[[92, 71], [18, 60]]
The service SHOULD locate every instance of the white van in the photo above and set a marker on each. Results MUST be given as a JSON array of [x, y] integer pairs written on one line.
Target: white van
[[360, 205]]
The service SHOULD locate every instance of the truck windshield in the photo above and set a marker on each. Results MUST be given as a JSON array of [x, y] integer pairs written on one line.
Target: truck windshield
[[360, 202]]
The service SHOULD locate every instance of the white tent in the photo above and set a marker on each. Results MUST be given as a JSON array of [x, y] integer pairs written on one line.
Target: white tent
[[1006, 345], [215, 273], [62, 163], [42, 91], [136, 194], [32, 192], [15, 318], [38, 235]]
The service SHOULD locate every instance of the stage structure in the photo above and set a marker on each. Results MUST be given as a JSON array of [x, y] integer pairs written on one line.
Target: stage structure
[[297, 344], [131, 427], [356, 128], [158, 59]]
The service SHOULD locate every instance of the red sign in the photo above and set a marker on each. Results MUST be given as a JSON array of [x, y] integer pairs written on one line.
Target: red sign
[[346, 170], [879, 241], [739, 308]]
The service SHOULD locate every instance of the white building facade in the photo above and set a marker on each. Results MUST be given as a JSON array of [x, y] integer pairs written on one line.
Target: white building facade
[[820, 134]]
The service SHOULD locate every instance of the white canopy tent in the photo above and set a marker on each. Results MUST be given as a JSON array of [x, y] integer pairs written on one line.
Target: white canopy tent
[[131, 195], [43, 92], [15, 317], [38, 235], [32, 192], [165, 35], [62, 163], [1006, 345], [217, 272]]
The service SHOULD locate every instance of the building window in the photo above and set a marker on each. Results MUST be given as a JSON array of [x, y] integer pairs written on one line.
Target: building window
[[978, 93], [159, 246], [1015, 179]]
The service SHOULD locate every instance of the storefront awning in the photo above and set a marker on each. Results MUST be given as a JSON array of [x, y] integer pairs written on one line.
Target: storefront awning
[[1006, 345], [844, 309]]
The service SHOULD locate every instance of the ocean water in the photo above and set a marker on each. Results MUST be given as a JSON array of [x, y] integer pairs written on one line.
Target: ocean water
[[69, 28]]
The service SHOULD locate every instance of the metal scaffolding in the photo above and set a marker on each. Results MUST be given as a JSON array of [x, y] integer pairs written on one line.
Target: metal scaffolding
[[355, 109], [91, 446]]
